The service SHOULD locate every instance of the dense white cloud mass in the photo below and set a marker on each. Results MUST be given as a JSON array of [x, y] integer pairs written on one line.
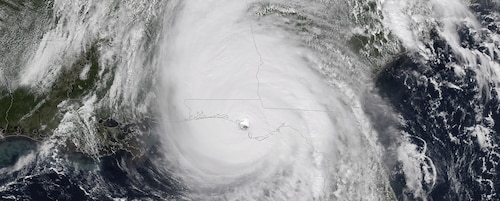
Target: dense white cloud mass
[[221, 65]]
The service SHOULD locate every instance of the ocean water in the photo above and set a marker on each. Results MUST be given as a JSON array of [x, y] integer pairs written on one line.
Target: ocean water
[[249, 100]]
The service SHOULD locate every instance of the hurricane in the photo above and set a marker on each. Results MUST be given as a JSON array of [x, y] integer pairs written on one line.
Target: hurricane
[[249, 100]]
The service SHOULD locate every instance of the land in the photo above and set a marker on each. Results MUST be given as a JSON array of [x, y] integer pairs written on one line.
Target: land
[[33, 115]]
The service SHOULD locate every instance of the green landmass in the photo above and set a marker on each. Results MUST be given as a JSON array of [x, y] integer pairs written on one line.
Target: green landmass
[[36, 115], [372, 41]]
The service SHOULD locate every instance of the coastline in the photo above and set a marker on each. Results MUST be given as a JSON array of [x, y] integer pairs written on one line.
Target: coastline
[[18, 137]]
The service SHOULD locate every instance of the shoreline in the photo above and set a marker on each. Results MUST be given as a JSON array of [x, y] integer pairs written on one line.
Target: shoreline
[[18, 137]]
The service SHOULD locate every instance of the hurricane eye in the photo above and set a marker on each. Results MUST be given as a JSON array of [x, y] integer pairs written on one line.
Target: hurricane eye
[[244, 124]]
